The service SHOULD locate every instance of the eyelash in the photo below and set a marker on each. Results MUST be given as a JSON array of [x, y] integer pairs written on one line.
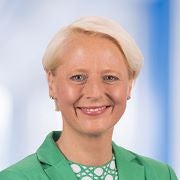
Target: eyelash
[[111, 78], [79, 77], [83, 78]]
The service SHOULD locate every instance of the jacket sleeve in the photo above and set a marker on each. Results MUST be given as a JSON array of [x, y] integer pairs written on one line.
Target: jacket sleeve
[[172, 174], [11, 175]]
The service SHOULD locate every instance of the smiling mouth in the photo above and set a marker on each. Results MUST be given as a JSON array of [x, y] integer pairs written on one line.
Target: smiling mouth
[[94, 110]]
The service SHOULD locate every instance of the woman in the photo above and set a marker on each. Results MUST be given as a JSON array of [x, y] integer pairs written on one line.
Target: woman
[[91, 66]]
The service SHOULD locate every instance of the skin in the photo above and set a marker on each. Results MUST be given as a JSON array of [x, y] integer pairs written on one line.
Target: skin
[[91, 86]]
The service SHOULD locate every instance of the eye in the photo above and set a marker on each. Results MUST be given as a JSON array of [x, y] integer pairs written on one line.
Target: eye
[[110, 78], [79, 78]]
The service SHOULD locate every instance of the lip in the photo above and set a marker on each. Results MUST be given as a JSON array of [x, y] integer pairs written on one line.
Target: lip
[[94, 110]]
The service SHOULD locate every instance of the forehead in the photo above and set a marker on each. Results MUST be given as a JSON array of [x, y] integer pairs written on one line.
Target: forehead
[[91, 53], [79, 44]]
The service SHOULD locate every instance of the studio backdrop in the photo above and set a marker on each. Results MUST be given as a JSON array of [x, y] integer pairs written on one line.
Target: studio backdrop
[[150, 123]]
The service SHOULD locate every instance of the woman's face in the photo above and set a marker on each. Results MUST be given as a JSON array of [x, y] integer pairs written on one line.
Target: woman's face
[[91, 85]]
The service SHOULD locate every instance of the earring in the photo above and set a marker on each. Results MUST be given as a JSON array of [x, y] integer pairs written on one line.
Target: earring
[[52, 97], [129, 97], [55, 103]]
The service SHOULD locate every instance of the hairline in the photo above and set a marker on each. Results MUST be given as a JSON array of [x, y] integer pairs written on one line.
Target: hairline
[[70, 32]]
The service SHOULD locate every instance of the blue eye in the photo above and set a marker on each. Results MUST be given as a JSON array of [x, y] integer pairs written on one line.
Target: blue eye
[[79, 78], [110, 78]]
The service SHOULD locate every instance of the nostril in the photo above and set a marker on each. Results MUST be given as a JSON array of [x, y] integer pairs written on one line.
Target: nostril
[[92, 98], [88, 97], [93, 89]]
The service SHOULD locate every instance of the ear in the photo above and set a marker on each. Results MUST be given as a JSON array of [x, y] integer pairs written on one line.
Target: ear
[[130, 85], [51, 84]]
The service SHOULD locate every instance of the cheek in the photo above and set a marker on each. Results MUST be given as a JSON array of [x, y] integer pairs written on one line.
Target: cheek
[[66, 95], [119, 95]]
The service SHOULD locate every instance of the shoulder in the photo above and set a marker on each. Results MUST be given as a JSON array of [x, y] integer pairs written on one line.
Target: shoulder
[[25, 169], [152, 167]]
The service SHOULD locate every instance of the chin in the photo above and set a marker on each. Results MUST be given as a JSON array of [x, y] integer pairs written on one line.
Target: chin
[[97, 132]]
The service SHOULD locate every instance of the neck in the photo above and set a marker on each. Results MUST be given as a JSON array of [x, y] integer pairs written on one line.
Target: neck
[[86, 149]]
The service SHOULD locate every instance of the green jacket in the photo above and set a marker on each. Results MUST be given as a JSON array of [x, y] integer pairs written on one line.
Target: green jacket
[[49, 163]]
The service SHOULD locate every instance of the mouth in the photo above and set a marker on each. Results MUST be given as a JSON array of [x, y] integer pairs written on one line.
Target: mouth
[[94, 110]]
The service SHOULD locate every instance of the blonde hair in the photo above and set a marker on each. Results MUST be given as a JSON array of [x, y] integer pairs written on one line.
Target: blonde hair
[[100, 27]]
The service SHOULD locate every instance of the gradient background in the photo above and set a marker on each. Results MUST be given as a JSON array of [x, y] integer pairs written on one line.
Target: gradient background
[[151, 123]]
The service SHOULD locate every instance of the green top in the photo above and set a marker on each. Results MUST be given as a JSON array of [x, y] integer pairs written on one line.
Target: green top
[[107, 171], [48, 163]]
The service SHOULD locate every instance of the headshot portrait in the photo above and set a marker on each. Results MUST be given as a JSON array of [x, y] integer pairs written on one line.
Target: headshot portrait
[[89, 89], [91, 67]]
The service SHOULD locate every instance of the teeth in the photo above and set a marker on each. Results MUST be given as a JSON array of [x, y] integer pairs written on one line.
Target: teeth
[[94, 109]]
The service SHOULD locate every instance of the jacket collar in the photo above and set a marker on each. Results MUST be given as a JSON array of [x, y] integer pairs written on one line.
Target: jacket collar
[[56, 165]]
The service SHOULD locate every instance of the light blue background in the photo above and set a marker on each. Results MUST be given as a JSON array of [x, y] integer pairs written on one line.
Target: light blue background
[[150, 125]]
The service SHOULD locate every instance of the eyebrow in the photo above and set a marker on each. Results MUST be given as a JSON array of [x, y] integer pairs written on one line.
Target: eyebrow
[[112, 71], [79, 70], [82, 70]]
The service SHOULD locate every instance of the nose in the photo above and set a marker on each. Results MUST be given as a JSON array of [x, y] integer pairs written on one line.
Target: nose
[[93, 89]]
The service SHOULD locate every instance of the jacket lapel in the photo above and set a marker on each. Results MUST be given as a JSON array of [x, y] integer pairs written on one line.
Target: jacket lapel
[[60, 171], [128, 167], [130, 171], [54, 164]]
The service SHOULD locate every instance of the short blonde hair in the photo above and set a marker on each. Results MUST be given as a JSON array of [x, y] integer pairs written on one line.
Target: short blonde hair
[[100, 27]]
